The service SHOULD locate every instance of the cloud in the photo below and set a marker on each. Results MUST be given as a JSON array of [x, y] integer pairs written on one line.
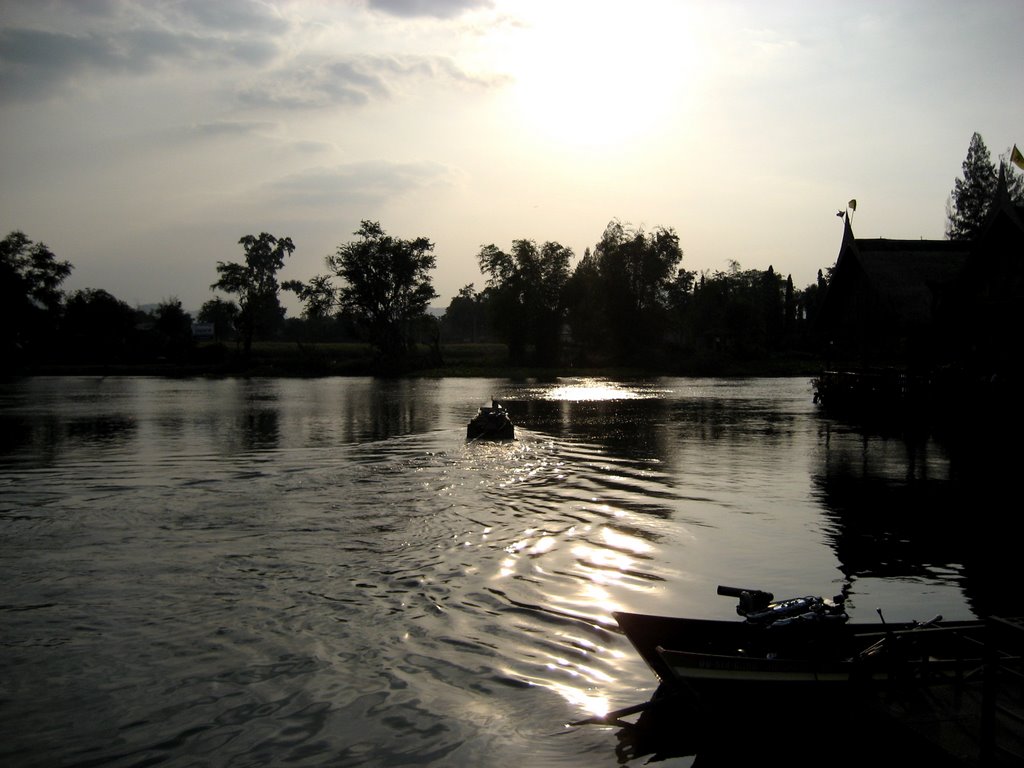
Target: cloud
[[34, 63], [366, 183], [269, 132], [72, 45], [233, 16], [354, 81], [440, 9], [233, 128]]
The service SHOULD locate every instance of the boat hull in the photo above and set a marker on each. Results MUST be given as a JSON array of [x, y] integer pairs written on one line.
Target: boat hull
[[490, 424], [714, 656], [648, 633]]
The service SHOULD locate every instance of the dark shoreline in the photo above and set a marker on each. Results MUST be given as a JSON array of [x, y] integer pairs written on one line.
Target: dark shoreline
[[272, 368], [489, 360]]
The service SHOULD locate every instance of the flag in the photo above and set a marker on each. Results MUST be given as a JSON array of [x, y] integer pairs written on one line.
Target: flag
[[852, 205], [1017, 158]]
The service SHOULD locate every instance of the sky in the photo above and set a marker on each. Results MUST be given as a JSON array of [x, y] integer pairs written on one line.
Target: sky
[[140, 140]]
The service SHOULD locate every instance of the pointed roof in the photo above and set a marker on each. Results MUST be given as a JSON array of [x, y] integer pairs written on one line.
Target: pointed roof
[[1003, 205], [906, 273], [902, 275]]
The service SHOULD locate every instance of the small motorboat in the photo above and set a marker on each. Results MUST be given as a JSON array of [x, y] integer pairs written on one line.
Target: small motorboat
[[952, 686], [795, 647], [491, 423]]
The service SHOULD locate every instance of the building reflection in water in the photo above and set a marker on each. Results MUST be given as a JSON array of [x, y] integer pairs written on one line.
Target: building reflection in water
[[911, 507]]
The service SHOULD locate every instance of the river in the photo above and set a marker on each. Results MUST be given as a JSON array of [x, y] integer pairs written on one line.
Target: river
[[265, 572]]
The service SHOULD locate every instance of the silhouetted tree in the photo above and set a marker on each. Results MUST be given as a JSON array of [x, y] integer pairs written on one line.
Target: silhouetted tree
[[173, 328], [318, 296], [968, 205], [739, 314], [789, 307], [387, 285], [255, 283], [98, 327], [636, 270], [30, 296], [586, 312], [772, 300], [319, 300], [527, 288], [222, 314], [463, 319], [679, 330]]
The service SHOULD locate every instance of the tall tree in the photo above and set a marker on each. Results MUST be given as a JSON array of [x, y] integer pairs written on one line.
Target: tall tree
[[585, 307], [173, 329], [318, 296], [637, 269], [789, 306], [98, 327], [463, 319], [30, 295], [222, 314], [255, 283], [527, 285], [387, 285], [772, 301], [319, 300], [973, 194]]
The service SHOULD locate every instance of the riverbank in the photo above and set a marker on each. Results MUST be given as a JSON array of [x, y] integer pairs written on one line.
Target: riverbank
[[288, 359]]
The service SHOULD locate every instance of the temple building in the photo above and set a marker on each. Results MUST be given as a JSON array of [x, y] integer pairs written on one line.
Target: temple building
[[926, 305]]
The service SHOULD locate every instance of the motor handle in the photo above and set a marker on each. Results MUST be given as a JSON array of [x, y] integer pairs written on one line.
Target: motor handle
[[726, 591]]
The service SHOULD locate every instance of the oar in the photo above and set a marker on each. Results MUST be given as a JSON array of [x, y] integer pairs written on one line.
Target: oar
[[890, 635], [611, 717]]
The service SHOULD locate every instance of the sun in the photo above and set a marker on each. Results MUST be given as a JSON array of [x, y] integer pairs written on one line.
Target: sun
[[597, 74]]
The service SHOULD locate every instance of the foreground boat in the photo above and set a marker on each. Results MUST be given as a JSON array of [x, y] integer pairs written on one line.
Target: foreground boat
[[491, 423], [793, 647], [949, 689], [922, 655]]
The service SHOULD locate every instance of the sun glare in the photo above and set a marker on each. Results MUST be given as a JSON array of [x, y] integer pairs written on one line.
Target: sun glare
[[595, 74], [586, 390]]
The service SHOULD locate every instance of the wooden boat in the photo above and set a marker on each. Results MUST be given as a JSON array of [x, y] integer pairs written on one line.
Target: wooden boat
[[795, 647], [491, 423], [941, 689]]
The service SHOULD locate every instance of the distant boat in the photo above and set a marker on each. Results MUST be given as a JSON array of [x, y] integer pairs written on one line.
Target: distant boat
[[491, 423]]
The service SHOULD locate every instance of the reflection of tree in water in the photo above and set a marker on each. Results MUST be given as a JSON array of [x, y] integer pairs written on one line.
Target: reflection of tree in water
[[48, 437], [909, 507], [16, 434], [101, 429], [256, 413], [260, 427], [386, 408]]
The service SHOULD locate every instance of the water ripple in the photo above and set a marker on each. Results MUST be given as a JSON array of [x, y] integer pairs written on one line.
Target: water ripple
[[269, 572]]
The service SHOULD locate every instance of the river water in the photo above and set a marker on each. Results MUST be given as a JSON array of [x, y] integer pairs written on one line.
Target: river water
[[264, 572]]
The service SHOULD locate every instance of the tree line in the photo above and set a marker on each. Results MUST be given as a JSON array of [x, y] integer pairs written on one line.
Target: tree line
[[627, 301]]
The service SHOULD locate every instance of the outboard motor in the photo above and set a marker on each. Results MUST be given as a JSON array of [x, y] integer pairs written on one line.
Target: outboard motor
[[751, 600], [761, 608]]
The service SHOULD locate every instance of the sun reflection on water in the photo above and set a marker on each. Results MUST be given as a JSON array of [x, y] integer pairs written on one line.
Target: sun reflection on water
[[601, 561], [575, 554], [584, 390]]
